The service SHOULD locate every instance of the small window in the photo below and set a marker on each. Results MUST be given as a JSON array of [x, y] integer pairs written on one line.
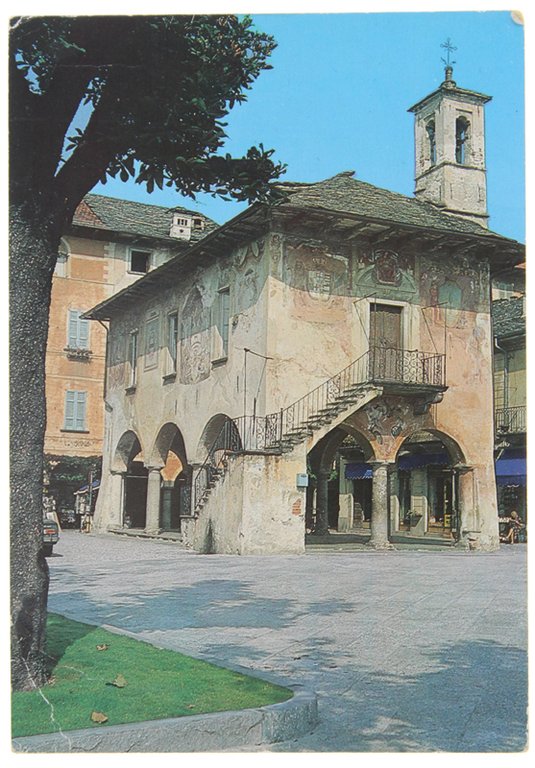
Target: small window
[[198, 224], [461, 139], [60, 269], [132, 358], [78, 330], [75, 411], [172, 343], [139, 261]]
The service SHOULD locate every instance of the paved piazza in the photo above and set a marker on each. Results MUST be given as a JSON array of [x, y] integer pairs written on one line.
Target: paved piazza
[[408, 651]]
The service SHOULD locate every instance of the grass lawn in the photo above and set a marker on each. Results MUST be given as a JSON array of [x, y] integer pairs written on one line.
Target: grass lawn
[[126, 681]]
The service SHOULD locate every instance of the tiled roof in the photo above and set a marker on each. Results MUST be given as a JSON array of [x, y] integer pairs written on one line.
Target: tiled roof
[[344, 193], [116, 215], [508, 316]]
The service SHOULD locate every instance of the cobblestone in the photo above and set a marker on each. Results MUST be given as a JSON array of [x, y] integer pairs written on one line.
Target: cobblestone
[[408, 651]]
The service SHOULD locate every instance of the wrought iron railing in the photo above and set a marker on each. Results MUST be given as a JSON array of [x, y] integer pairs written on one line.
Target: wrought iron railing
[[406, 366], [511, 419], [280, 430], [215, 464]]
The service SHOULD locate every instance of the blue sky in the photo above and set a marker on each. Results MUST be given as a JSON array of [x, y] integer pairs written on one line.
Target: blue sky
[[338, 95]]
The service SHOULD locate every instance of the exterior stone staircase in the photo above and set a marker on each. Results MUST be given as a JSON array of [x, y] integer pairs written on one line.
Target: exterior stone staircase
[[320, 409]]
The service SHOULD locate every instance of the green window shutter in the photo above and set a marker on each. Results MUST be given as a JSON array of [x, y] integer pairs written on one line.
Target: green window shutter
[[78, 333], [69, 409], [75, 410], [83, 334], [80, 411], [72, 340]]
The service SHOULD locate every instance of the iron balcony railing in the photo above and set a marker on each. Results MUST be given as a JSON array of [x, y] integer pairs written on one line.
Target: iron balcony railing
[[280, 430], [511, 419], [406, 366]]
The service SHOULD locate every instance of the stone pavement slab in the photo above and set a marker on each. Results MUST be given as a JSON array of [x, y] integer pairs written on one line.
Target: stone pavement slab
[[408, 651]]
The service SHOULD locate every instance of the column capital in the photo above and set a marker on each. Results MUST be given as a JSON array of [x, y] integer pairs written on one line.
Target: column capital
[[378, 463], [463, 468]]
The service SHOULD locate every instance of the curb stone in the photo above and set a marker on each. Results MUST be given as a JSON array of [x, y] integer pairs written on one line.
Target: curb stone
[[193, 733]]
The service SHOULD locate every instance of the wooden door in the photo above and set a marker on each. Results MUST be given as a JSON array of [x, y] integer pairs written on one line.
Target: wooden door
[[386, 342]]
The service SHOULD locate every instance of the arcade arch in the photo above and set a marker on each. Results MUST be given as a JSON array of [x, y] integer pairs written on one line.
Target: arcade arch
[[128, 461], [169, 459], [337, 499], [425, 486]]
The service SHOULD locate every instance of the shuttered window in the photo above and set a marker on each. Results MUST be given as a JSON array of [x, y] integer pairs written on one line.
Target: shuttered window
[[223, 316], [172, 341], [132, 357], [78, 331], [75, 410]]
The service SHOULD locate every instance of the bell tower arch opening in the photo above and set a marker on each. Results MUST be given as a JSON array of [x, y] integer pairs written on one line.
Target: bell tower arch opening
[[449, 143]]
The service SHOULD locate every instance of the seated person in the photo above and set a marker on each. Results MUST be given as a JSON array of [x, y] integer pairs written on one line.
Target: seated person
[[514, 525]]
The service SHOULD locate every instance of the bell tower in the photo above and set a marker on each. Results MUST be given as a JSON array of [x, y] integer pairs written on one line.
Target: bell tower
[[449, 139]]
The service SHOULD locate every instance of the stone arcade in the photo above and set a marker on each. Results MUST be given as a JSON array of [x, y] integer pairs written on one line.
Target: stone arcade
[[323, 363]]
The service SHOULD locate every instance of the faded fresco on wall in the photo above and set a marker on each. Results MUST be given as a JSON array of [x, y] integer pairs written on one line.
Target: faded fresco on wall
[[195, 340], [152, 328], [388, 269], [456, 284], [320, 278], [116, 371]]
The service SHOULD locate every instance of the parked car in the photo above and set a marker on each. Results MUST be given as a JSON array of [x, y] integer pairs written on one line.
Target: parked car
[[67, 518], [50, 535]]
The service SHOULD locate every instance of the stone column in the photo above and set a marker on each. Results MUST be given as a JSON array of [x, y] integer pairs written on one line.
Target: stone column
[[115, 512], [152, 516], [345, 499], [322, 495], [469, 527], [379, 521]]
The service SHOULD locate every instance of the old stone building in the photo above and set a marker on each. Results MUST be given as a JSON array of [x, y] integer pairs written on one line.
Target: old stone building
[[510, 400], [111, 244], [322, 363]]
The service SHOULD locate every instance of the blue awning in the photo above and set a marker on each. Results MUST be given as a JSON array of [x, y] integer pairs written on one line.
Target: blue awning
[[420, 460], [358, 470], [511, 471], [84, 489]]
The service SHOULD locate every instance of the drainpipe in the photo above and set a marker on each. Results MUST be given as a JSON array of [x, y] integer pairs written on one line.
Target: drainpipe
[[105, 361]]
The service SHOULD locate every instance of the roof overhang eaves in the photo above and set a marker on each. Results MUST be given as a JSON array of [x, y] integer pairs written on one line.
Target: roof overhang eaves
[[105, 233], [482, 98], [209, 246], [484, 235]]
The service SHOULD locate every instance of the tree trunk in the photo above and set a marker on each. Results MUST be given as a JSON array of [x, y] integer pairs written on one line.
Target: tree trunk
[[33, 249]]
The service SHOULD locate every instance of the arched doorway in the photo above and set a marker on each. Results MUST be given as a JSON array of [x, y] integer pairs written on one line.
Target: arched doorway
[[128, 461], [169, 453], [339, 495], [425, 486]]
